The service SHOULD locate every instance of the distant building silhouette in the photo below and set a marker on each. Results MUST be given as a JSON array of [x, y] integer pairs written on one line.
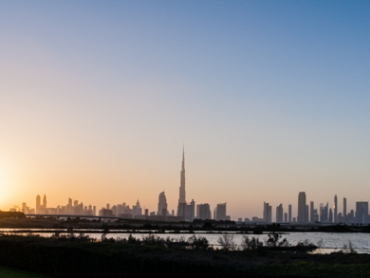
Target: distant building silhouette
[[351, 217], [38, 203], [340, 217], [27, 210], [302, 209], [362, 212], [41, 208], [220, 212], [279, 213], [312, 213], [136, 209], [105, 212], [306, 213], [182, 192], [290, 213], [203, 211], [345, 217], [335, 209], [190, 211], [44, 202], [162, 204], [267, 212], [330, 215], [324, 211], [184, 211]]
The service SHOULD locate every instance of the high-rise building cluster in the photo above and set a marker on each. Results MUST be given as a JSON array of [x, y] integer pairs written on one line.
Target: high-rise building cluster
[[71, 208], [306, 211], [185, 211], [324, 214]]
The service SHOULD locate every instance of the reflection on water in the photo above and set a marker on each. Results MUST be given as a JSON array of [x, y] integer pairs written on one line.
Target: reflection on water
[[327, 242]]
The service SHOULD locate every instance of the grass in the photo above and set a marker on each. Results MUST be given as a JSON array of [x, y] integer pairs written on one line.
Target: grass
[[6, 272]]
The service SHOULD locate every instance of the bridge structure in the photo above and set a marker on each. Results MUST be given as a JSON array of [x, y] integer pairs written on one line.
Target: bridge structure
[[74, 216], [111, 217]]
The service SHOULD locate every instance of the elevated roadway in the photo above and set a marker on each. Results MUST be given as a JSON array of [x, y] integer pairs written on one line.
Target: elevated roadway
[[73, 216]]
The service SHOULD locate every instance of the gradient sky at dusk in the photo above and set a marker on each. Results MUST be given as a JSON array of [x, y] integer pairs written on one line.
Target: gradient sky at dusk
[[269, 97]]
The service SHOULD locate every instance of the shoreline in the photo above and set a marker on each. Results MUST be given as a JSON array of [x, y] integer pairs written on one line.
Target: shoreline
[[209, 227]]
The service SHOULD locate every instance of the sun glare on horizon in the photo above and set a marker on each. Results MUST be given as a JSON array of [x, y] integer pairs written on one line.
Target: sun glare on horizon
[[4, 190]]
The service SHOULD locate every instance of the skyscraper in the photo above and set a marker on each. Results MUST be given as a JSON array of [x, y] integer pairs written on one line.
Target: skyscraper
[[220, 212], [38, 203], [267, 212], [312, 214], [162, 204], [44, 204], [306, 213], [324, 210], [302, 208], [279, 213], [330, 215], [182, 195], [362, 212], [190, 211], [290, 213], [335, 209], [345, 210], [203, 211], [136, 209]]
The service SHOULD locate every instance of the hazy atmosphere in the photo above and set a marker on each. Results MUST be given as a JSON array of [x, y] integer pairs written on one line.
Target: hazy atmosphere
[[268, 98]]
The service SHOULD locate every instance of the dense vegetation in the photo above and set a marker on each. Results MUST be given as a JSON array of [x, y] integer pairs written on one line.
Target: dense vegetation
[[151, 256], [12, 214]]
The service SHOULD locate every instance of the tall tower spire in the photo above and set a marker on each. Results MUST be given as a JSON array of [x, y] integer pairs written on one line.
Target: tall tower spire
[[182, 195], [183, 160]]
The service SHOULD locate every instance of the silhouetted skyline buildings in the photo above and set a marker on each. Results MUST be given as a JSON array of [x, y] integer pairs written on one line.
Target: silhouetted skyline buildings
[[310, 215], [302, 207], [185, 211], [162, 204], [306, 213], [182, 191]]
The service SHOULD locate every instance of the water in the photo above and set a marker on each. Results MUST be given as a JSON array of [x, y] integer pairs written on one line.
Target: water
[[327, 242]]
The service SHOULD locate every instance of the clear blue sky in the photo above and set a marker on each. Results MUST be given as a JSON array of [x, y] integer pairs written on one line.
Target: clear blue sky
[[270, 97]]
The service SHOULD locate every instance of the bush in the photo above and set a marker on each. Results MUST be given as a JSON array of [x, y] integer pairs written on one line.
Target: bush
[[152, 240], [227, 242], [198, 243], [251, 244], [274, 240]]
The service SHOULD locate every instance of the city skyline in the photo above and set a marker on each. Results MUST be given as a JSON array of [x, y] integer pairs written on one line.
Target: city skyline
[[306, 212], [320, 214], [270, 99]]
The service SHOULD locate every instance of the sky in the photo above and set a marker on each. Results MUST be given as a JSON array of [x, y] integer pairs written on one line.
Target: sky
[[269, 98]]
